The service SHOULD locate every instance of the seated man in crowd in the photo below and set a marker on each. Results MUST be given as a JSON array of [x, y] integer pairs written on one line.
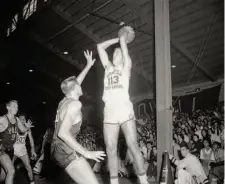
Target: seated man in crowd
[[217, 168], [189, 169]]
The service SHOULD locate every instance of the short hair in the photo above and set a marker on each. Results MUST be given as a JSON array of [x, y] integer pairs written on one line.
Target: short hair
[[68, 85], [208, 140], [184, 144], [11, 101], [196, 135]]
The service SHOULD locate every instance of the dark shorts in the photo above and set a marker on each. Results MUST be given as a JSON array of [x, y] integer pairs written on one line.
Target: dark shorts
[[7, 151], [63, 154]]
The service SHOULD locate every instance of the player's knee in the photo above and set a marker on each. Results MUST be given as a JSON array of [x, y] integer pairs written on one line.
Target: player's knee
[[10, 171]]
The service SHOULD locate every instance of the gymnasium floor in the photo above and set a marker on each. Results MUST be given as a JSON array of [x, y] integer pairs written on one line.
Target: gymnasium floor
[[20, 178]]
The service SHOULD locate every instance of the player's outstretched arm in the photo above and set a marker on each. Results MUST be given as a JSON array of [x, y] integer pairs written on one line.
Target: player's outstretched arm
[[24, 128], [90, 62], [124, 48], [102, 51]]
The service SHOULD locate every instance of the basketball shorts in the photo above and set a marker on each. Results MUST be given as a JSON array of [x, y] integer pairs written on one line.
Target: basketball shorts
[[118, 113], [20, 150], [63, 154]]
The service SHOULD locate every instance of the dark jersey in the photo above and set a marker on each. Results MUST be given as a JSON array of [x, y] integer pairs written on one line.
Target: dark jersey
[[8, 137], [61, 152]]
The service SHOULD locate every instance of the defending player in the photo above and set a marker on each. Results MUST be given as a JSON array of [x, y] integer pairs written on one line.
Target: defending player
[[68, 153], [118, 110]]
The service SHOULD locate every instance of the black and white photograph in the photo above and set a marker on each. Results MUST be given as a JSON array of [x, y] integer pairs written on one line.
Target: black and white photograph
[[112, 92]]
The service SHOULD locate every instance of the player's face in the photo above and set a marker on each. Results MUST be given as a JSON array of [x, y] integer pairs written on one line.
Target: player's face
[[13, 108], [78, 90], [117, 57], [184, 151], [22, 119]]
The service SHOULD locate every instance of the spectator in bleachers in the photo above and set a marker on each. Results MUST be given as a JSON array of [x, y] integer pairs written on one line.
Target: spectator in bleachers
[[176, 149], [207, 156], [217, 168], [197, 146], [204, 134], [198, 131], [152, 168]]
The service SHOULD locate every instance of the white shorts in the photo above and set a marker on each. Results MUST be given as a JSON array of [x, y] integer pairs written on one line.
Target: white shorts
[[118, 113], [20, 150]]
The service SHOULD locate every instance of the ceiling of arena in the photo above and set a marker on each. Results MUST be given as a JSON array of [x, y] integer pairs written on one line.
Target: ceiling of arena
[[55, 27]]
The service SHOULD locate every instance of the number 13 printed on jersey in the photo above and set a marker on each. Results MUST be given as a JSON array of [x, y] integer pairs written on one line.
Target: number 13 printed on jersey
[[113, 80]]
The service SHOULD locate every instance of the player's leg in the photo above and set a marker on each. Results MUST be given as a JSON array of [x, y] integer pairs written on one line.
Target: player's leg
[[26, 161], [130, 133], [8, 167], [111, 133], [81, 172]]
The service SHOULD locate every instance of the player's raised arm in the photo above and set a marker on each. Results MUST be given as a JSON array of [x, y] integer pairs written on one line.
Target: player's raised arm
[[102, 51], [90, 62], [24, 128], [126, 56]]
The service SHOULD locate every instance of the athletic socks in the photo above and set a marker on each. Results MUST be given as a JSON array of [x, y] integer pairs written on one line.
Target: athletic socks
[[32, 182], [143, 178], [114, 180]]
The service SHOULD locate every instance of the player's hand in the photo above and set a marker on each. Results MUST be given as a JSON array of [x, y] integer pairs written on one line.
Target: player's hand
[[129, 28], [88, 56], [95, 155], [33, 155], [29, 124]]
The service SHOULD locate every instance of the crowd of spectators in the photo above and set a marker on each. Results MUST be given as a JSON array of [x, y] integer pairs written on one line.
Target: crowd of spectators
[[203, 131]]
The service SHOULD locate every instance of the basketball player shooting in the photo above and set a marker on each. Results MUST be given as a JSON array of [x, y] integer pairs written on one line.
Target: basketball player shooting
[[118, 110]]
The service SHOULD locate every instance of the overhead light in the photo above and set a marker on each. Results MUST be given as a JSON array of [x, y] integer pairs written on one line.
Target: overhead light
[[197, 89], [173, 66], [8, 83], [65, 52], [44, 102], [30, 70]]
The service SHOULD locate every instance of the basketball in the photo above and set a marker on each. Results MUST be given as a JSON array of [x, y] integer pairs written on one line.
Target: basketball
[[128, 33]]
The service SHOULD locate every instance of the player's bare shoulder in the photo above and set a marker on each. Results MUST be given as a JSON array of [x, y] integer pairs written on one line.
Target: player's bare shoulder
[[3, 123], [72, 107]]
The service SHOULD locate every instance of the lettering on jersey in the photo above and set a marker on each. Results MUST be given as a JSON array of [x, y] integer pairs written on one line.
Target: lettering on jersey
[[13, 131], [113, 80], [21, 139]]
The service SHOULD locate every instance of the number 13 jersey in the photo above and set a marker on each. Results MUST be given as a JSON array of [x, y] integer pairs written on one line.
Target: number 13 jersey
[[116, 85]]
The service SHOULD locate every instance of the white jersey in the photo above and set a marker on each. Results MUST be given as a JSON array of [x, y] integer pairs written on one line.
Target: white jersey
[[116, 85], [21, 138]]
